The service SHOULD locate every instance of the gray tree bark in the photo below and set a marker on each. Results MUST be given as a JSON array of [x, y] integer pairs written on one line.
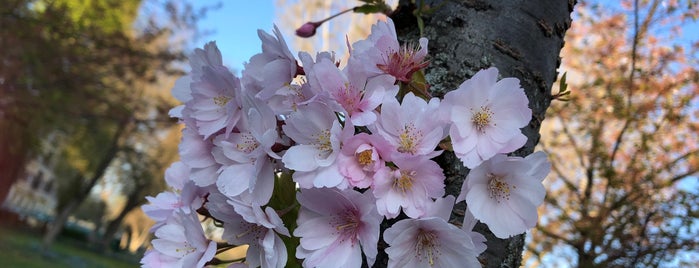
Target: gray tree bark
[[523, 39]]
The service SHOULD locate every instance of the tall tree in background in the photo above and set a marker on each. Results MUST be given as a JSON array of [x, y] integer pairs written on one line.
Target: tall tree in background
[[521, 38], [625, 141], [146, 159], [80, 69]]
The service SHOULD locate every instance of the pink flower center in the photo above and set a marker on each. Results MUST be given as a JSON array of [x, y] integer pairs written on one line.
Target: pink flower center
[[426, 246], [403, 63], [408, 139], [256, 231], [404, 182], [482, 118], [348, 225], [498, 188], [349, 97]]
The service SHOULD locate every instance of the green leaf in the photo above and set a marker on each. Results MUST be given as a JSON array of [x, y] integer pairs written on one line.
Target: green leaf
[[563, 93], [421, 25], [284, 194], [563, 85]]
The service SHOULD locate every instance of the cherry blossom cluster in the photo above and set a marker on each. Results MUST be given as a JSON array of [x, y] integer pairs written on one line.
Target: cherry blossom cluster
[[353, 148]]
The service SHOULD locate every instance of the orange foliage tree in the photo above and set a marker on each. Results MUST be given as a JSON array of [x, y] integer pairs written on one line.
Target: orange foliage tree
[[624, 146]]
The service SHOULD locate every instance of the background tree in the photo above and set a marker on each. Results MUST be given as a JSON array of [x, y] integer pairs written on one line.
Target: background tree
[[624, 149], [84, 70], [141, 173]]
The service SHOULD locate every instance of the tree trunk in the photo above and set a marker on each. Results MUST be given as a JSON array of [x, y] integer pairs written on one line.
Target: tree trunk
[[13, 151], [133, 202], [57, 225], [523, 39]]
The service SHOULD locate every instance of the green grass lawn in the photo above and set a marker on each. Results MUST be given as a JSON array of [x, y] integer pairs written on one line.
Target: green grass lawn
[[20, 248]]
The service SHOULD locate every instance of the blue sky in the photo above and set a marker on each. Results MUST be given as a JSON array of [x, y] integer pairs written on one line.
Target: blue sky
[[234, 28]]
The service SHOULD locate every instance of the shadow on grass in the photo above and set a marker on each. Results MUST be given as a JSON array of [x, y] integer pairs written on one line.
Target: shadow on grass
[[22, 248]]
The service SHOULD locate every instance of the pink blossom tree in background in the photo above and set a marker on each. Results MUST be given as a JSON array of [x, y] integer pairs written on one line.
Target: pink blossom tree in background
[[624, 149]]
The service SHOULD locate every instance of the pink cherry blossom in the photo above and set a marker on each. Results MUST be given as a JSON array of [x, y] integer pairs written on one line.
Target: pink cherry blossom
[[486, 117], [411, 186], [272, 69], [215, 101], [504, 192], [213, 98], [166, 204], [255, 177], [258, 229], [429, 242], [381, 53], [182, 92], [246, 155], [411, 127], [477, 238], [335, 227], [154, 259], [361, 156], [356, 94], [210, 56], [299, 92], [318, 134], [177, 175], [183, 238], [185, 196], [195, 152]]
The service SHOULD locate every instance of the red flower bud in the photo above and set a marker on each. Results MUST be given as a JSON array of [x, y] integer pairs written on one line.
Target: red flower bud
[[307, 30]]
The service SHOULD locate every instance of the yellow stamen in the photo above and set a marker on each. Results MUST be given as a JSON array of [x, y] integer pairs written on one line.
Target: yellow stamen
[[482, 118], [221, 100], [248, 144], [404, 183], [323, 141], [426, 242], [364, 158], [348, 225], [499, 188], [408, 139]]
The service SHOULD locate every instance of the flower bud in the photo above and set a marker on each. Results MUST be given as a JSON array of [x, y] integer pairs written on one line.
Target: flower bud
[[307, 30]]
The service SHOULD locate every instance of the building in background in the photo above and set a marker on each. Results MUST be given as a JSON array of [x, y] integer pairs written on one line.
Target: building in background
[[33, 196]]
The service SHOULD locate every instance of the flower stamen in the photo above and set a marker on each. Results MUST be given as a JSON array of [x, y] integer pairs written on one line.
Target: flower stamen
[[482, 118], [364, 158], [221, 100], [498, 188], [409, 139], [323, 143], [404, 183], [426, 243], [248, 144]]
